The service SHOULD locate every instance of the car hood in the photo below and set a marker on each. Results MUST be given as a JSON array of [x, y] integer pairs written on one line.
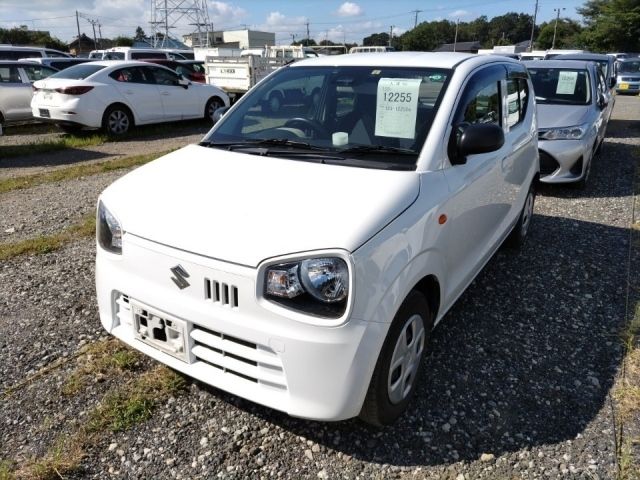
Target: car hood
[[552, 116], [245, 208]]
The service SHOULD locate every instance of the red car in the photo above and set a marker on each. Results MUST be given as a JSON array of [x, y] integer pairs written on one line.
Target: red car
[[189, 69]]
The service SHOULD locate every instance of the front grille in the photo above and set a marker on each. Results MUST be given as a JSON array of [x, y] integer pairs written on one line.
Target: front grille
[[221, 293], [235, 356], [548, 164]]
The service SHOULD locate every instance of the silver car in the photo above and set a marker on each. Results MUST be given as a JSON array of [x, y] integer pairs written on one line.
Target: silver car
[[572, 117], [15, 89], [628, 80]]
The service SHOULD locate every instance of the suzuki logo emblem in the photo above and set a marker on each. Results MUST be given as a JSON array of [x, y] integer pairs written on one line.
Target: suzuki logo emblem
[[181, 276]]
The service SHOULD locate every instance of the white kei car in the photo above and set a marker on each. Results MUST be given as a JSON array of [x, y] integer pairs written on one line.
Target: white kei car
[[116, 95], [301, 258]]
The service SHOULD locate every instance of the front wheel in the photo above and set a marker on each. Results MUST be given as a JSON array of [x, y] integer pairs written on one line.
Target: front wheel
[[212, 105], [117, 120], [397, 371]]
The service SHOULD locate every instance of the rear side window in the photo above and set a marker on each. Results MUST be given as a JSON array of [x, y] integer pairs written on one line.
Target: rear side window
[[17, 54], [517, 99], [139, 55], [37, 72], [78, 72], [9, 74]]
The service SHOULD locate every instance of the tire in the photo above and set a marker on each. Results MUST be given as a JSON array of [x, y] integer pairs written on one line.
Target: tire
[[117, 120], [212, 105], [391, 389], [582, 183], [520, 230], [275, 102]]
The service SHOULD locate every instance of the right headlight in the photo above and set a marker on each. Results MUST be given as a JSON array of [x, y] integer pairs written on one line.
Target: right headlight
[[564, 133], [318, 286], [109, 231]]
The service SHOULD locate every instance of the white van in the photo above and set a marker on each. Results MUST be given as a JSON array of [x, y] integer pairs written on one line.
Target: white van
[[12, 52], [372, 49], [129, 53]]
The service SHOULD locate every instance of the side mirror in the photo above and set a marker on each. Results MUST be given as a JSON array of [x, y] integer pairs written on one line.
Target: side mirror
[[217, 115], [184, 82], [602, 101], [612, 82], [477, 138]]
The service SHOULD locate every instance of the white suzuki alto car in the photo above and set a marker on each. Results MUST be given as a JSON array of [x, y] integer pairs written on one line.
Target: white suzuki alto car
[[301, 258]]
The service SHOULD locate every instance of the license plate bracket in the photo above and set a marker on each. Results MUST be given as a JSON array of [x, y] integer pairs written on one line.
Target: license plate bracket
[[45, 113], [161, 331]]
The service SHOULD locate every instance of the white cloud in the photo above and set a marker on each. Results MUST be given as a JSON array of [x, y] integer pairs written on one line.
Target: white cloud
[[221, 13], [349, 9], [460, 14]]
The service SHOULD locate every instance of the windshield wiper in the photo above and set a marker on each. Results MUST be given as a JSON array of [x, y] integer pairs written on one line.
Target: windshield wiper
[[282, 142], [378, 149]]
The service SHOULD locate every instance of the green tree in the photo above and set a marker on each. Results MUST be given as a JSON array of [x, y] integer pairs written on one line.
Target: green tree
[[22, 36], [122, 41], [428, 36], [376, 40], [140, 35], [509, 29], [612, 25], [567, 34]]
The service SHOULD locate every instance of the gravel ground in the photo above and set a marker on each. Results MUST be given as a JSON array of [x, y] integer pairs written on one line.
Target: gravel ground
[[517, 378]]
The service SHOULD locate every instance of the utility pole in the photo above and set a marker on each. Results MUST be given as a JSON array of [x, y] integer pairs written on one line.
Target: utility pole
[[93, 24], [100, 34], [455, 38], [415, 23], [391, 34], [533, 27], [78, 25], [307, 32], [555, 28], [293, 38]]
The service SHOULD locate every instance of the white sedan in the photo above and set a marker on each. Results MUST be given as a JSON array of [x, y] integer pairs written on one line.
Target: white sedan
[[115, 95]]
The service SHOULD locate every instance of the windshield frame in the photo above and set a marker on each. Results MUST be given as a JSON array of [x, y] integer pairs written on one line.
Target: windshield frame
[[231, 127]]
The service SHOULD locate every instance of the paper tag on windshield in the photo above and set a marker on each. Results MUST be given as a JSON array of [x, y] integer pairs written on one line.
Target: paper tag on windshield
[[397, 107], [567, 83]]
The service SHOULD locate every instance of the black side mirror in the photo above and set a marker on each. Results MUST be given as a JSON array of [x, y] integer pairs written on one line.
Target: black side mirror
[[612, 82], [477, 138], [602, 102], [217, 115]]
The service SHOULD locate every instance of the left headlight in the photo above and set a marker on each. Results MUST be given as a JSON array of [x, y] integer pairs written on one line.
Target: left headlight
[[565, 133], [318, 286], [109, 231]]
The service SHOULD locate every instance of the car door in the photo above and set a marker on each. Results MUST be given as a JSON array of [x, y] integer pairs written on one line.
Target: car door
[[15, 94], [137, 88], [476, 208], [179, 101]]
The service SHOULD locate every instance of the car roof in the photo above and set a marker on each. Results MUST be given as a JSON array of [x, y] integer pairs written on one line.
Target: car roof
[[578, 64], [395, 59], [584, 56]]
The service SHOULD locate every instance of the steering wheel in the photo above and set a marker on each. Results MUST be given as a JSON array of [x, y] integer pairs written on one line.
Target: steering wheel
[[306, 125]]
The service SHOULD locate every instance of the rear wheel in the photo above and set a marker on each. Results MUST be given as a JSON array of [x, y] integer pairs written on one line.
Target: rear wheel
[[519, 233], [117, 120], [397, 371], [212, 105]]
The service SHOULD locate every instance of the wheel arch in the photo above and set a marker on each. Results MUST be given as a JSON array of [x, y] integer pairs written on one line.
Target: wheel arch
[[127, 107]]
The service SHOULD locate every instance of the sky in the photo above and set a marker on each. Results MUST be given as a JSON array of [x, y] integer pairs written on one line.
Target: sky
[[337, 21]]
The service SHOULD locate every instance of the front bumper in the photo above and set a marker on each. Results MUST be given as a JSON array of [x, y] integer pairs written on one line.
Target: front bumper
[[627, 85], [564, 161], [232, 341]]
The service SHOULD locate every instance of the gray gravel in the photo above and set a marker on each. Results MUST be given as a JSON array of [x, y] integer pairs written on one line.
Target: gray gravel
[[516, 383]]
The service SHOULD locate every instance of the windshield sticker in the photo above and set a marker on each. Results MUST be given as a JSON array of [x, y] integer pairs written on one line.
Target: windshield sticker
[[397, 107], [567, 83]]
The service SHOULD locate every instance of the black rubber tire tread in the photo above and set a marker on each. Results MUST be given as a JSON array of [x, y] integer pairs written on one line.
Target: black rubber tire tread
[[208, 105], [515, 238], [109, 109], [377, 410]]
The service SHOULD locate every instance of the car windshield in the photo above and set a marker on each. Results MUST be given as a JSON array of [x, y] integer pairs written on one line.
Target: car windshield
[[561, 86], [78, 72], [629, 67], [379, 115]]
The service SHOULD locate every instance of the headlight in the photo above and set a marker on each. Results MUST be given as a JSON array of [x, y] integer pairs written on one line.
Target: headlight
[[565, 133], [109, 230], [319, 286]]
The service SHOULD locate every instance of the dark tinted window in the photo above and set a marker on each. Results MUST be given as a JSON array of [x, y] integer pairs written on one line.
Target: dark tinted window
[[62, 64], [16, 54], [165, 77], [56, 54], [37, 72], [78, 72], [132, 75], [139, 55], [9, 74], [517, 98]]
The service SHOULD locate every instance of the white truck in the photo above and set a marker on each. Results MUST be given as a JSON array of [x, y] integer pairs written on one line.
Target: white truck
[[237, 74]]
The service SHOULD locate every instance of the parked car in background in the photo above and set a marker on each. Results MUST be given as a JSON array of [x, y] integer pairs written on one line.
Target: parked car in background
[[16, 79], [572, 117], [116, 95], [606, 62], [55, 62], [13, 52], [179, 53], [300, 258], [129, 53], [628, 79], [187, 70]]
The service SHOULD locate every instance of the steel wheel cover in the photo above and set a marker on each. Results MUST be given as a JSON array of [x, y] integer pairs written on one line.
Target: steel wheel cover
[[118, 122], [406, 359]]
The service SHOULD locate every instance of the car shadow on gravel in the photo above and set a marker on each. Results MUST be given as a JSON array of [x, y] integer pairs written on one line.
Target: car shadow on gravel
[[68, 156], [525, 358], [623, 128]]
